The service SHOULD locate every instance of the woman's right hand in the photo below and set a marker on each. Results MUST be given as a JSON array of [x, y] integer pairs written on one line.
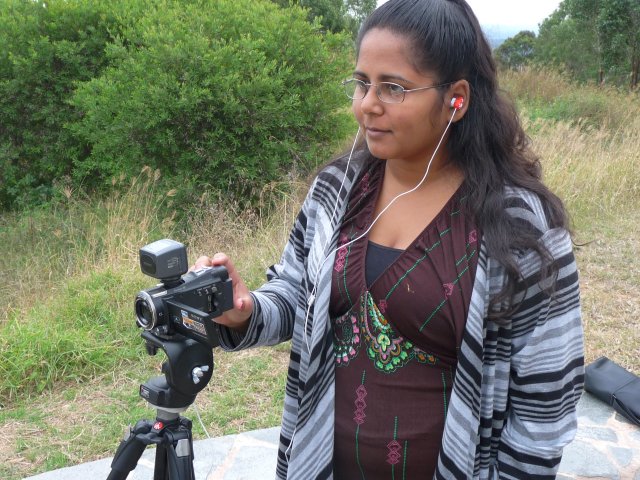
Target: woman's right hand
[[238, 317]]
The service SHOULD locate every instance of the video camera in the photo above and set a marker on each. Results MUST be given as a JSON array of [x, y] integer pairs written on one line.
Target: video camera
[[184, 304]]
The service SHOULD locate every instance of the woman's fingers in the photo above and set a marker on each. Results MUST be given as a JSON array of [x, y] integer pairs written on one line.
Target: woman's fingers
[[242, 301]]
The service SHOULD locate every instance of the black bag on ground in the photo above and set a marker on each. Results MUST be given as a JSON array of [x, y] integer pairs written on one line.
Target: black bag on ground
[[616, 386]]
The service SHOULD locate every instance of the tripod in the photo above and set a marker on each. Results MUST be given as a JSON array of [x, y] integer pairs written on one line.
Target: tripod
[[187, 371]]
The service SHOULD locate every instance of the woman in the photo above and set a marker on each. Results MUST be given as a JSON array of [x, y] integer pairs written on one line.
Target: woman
[[428, 286]]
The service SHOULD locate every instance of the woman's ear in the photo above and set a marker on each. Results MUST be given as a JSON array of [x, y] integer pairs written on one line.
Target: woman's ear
[[457, 98]]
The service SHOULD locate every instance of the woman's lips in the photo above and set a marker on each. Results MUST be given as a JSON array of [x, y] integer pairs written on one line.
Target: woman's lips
[[376, 132]]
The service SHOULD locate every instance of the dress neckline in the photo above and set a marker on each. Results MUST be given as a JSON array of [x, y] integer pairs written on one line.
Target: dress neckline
[[384, 247]]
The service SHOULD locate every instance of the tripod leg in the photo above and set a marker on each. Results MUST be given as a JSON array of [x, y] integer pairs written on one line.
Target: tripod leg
[[129, 452], [180, 458], [160, 471]]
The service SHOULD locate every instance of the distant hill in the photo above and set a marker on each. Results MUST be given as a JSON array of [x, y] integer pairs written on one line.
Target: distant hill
[[496, 34]]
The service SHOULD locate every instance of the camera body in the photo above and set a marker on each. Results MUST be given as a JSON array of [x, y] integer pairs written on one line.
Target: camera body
[[184, 304]]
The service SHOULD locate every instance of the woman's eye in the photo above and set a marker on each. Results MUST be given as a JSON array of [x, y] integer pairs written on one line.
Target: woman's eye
[[395, 89]]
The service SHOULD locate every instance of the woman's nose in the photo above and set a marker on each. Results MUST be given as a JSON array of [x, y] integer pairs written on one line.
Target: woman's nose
[[371, 103]]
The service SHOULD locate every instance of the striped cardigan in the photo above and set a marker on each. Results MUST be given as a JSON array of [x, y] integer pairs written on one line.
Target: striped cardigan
[[513, 402]]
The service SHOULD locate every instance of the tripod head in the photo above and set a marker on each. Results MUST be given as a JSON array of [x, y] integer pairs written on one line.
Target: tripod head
[[187, 371]]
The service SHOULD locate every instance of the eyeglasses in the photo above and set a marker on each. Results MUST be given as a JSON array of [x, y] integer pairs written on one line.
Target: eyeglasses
[[387, 92]]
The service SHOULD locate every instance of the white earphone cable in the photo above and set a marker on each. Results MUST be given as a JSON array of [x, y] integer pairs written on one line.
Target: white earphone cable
[[312, 297], [324, 247]]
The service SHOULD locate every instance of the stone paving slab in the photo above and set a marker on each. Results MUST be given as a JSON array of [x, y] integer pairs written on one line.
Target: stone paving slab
[[606, 447], [246, 456]]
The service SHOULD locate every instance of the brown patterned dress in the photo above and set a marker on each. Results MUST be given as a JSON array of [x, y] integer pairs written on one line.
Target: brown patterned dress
[[398, 318]]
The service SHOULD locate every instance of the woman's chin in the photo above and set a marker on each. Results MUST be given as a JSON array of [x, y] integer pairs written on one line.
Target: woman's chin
[[377, 150]]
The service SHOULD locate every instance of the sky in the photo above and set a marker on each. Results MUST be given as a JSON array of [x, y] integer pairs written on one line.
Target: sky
[[515, 14]]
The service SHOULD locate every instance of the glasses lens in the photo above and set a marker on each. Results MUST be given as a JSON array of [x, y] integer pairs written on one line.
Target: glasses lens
[[355, 89], [391, 92]]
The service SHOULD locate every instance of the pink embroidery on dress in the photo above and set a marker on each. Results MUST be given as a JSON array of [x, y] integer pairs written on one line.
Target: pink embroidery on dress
[[393, 457], [359, 414], [448, 289], [340, 261], [342, 253], [473, 236], [356, 329], [382, 306]]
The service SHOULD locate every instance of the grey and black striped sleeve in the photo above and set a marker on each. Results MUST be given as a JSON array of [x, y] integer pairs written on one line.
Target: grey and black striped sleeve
[[547, 366]]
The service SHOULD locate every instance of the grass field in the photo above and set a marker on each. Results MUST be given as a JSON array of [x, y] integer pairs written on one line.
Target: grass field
[[71, 358]]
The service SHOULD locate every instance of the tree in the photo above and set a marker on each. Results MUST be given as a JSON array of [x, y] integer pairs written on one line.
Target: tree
[[517, 51], [358, 10], [619, 25], [335, 15], [570, 41], [595, 38]]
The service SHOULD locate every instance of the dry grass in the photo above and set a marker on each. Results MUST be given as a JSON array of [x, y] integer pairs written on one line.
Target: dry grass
[[552, 95], [253, 240], [596, 171], [77, 236], [610, 287]]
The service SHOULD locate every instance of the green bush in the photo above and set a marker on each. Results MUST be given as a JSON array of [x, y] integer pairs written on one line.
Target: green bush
[[225, 93], [229, 93], [46, 47]]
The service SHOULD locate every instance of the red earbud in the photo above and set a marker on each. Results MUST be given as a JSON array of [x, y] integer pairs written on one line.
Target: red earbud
[[457, 102]]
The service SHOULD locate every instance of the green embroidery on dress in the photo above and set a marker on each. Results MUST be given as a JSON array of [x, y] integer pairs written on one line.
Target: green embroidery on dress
[[467, 257], [404, 460], [369, 329]]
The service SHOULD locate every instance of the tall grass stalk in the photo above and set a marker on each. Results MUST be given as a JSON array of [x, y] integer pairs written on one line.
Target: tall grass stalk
[[253, 239]]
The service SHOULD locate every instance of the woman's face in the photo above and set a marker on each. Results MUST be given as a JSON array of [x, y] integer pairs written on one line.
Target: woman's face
[[407, 131]]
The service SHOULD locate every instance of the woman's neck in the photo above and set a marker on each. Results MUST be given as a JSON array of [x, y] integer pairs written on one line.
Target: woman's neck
[[407, 175]]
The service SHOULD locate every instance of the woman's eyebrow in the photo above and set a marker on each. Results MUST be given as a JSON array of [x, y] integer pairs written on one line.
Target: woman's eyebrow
[[385, 77]]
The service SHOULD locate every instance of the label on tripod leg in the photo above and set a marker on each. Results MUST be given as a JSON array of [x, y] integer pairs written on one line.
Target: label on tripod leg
[[192, 324]]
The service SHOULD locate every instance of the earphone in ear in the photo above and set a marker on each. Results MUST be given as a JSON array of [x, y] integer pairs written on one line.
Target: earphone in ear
[[457, 103]]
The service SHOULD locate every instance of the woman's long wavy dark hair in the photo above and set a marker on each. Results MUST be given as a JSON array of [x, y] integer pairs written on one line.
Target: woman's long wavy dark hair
[[488, 143]]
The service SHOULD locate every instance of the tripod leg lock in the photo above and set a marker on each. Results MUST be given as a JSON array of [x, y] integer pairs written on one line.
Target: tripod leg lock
[[183, 448]]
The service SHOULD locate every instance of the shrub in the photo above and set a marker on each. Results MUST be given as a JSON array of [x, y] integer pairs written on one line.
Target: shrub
[[549, 95], [46, 47], [227, 93], [223, 93]]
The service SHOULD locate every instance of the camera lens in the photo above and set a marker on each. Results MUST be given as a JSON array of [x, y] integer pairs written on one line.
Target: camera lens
[[146, 311]]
